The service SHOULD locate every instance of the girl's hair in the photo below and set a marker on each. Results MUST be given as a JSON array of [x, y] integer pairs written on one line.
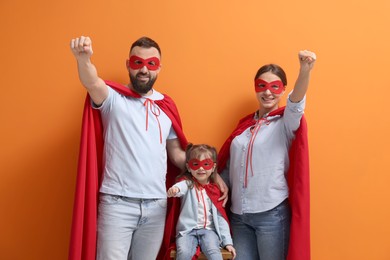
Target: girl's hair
[[275, 69], [196, 151]]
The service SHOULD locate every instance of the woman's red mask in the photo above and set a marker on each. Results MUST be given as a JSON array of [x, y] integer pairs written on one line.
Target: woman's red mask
[[137, 63], [275, 87], [195, 164]]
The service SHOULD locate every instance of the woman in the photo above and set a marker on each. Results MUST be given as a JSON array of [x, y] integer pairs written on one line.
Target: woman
[[265, 162]]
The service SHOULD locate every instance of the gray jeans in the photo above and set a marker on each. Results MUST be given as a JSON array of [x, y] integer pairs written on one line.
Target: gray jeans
[[129, 228]]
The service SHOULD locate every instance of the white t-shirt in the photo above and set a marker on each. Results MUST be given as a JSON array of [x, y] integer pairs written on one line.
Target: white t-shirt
[[135, 161]]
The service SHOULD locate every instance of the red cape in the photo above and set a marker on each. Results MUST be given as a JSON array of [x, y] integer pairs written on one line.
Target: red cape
[[214, 194], [298, 182], [89, 172]]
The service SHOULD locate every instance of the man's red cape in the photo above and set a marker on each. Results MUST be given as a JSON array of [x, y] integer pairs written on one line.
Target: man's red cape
[[298, 182], [83, 233]]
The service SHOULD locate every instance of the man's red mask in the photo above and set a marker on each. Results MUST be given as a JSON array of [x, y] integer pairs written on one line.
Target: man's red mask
[[195, 164], [137, 63], [275, 87]]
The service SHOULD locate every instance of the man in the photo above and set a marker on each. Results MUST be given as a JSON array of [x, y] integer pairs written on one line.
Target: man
[[140, 128]]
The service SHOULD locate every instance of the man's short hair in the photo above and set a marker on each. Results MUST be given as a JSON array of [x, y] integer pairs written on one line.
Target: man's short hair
[[146, 42]]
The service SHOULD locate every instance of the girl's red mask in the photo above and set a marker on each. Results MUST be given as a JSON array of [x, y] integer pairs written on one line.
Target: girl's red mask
[[195, 164]]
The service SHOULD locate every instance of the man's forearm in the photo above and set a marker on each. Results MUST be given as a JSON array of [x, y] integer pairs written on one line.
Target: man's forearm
[[88, 74]]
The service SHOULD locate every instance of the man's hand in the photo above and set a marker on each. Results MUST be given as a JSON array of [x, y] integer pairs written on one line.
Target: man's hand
[[82, 50], [81, 47], [223, 187]]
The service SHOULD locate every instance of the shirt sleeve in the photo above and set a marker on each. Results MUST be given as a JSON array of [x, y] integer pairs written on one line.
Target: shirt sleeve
[[292, 115], [183, 187], [172, 134], [104, 107], [225, 231]]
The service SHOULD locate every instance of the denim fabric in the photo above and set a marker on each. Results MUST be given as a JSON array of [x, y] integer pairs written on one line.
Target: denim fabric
[[264, 235], [130, 228], [207, 239]]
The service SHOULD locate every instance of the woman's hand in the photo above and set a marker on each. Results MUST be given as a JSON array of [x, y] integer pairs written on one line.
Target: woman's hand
[[307, 59]]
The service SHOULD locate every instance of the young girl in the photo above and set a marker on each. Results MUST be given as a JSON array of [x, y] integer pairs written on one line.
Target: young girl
[[202, 220]]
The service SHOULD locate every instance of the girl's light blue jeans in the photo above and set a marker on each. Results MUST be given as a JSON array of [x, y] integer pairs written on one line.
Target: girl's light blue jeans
[[207, 240], [130, 228], [263, 235]]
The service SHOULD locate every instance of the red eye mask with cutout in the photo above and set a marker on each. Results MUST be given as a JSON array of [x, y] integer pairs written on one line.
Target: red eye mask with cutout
[[275, 87], [195, 164], [137, 63]]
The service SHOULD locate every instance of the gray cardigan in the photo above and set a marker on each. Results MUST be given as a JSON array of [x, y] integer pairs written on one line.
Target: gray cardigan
[[189, 214]]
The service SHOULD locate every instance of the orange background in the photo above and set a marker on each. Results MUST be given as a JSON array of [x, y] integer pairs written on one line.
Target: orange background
[[211, 52]]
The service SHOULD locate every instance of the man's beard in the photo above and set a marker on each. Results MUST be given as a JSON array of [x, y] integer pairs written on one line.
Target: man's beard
[[140, 87]]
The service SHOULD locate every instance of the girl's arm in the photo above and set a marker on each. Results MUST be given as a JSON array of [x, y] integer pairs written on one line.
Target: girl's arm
[[178, 190]]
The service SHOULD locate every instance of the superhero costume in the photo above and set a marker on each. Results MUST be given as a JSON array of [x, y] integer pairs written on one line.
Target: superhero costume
[[89, 173], [169, 242], [298, 183]]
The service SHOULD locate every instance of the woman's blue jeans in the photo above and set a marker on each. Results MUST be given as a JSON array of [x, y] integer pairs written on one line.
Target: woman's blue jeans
[[264, 235]]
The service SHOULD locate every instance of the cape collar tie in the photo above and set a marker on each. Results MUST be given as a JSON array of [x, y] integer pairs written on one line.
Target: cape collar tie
[[249, 157], [150, 104]]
